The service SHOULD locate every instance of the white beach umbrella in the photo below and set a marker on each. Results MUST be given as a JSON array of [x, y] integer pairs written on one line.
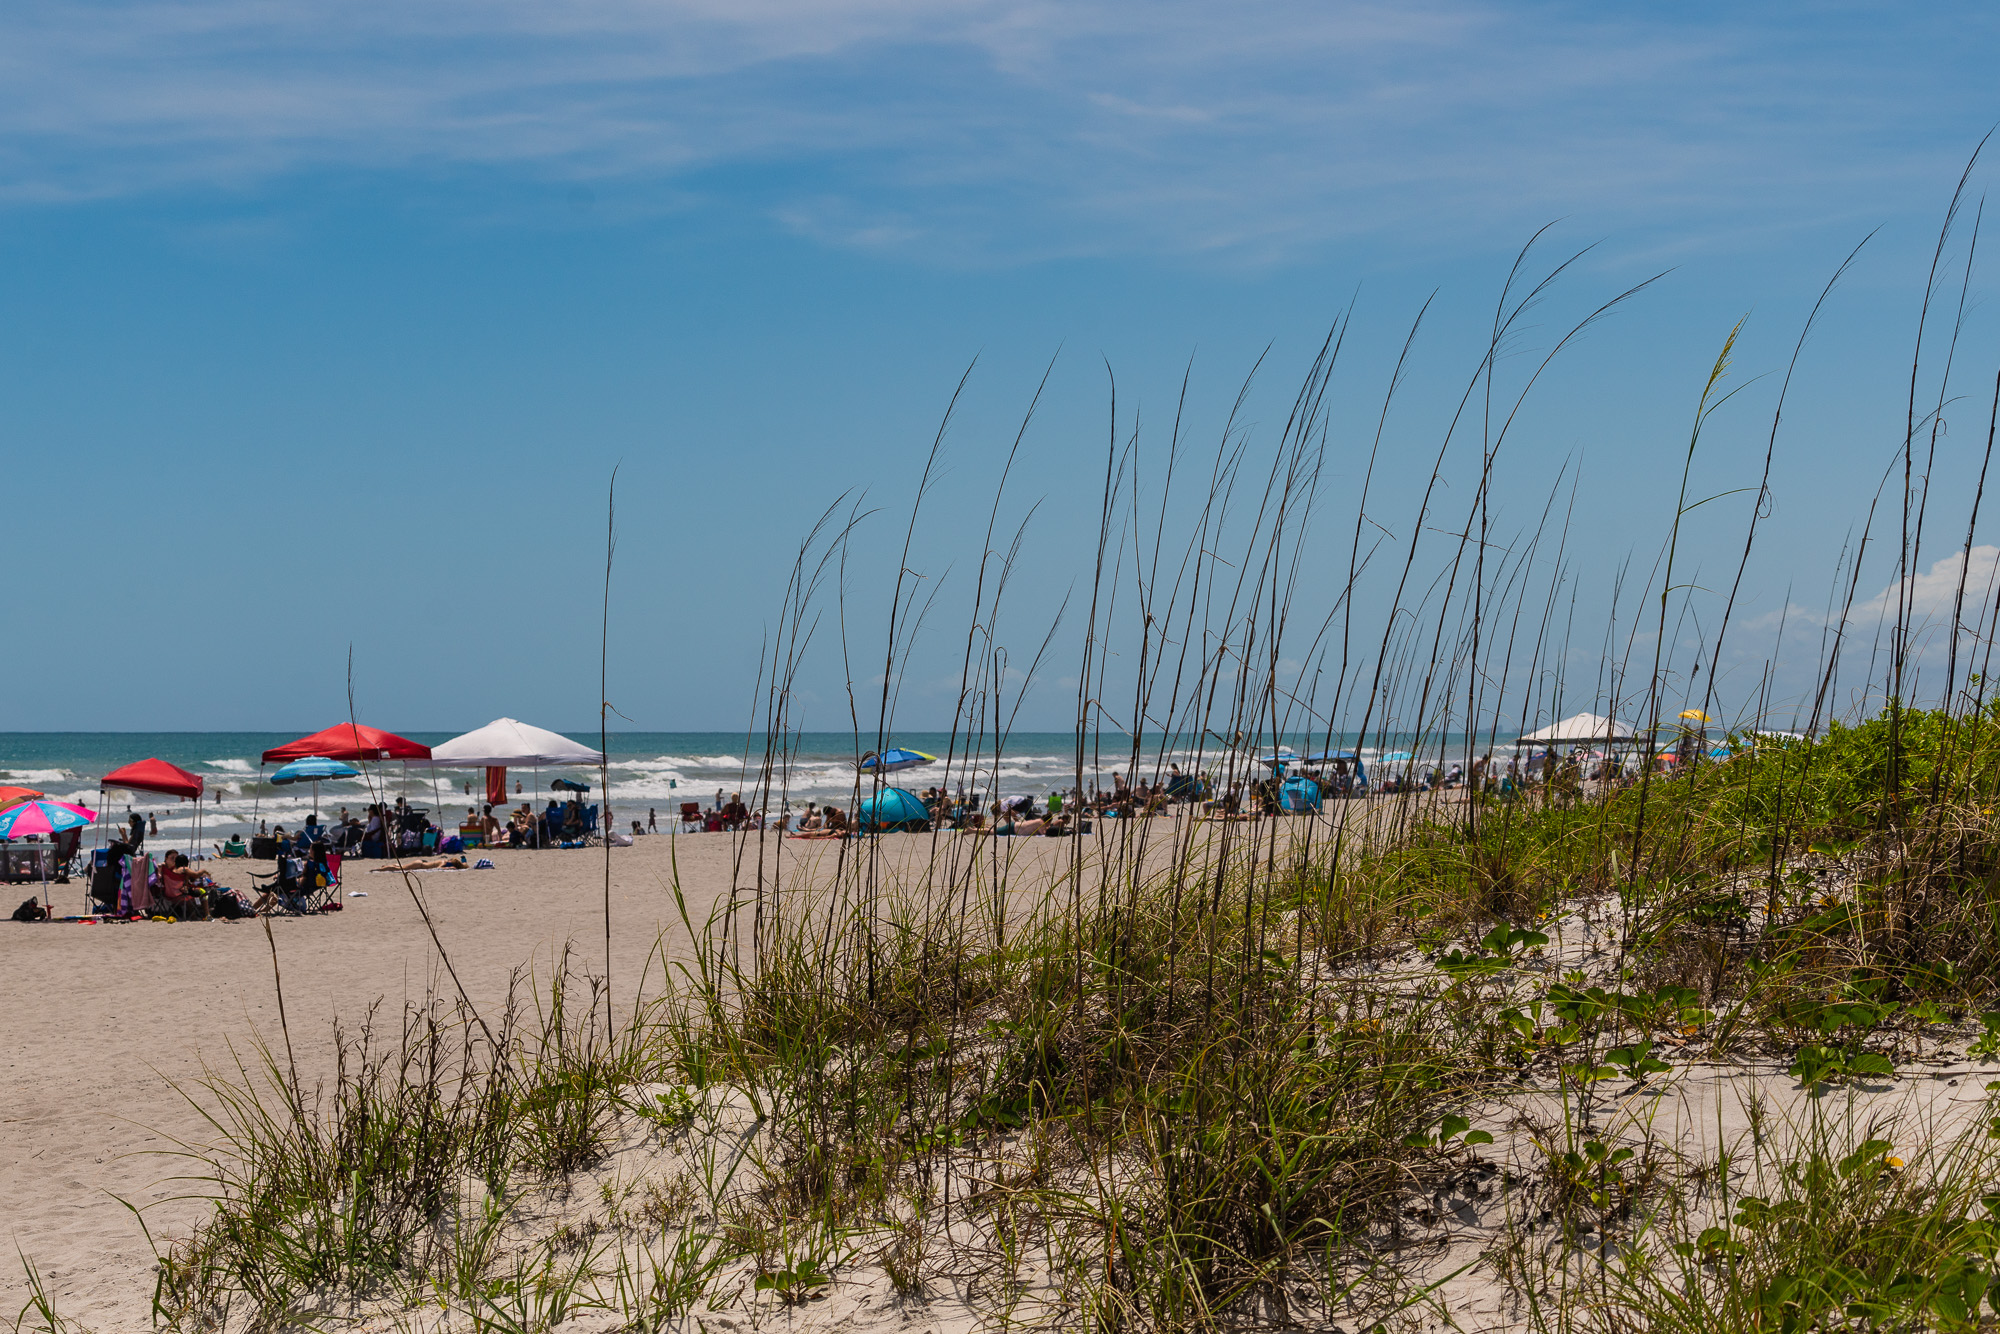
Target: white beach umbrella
[[1578, 728], [507, 744]]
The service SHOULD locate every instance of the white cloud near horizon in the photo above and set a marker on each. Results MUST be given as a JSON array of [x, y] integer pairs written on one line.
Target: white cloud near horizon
[[1006, 127], [1930, 596]]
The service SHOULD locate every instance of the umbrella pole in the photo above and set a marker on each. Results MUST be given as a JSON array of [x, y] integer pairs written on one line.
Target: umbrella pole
[[437, 802]]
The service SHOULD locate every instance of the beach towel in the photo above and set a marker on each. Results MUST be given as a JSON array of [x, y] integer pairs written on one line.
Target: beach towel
[[139, 870], [483, 865]]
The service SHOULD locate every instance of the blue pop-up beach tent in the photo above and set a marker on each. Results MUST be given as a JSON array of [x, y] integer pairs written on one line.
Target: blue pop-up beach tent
[[1298, 795], [893, 808]]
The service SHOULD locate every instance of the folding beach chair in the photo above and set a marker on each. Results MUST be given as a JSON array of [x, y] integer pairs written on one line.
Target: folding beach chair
[[319, 879], [284, 880], [304, 884]]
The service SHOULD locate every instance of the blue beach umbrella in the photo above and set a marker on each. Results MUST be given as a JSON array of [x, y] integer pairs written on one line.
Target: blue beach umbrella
[[313, 769], [1395, 755], [894, 760], [894, 806]]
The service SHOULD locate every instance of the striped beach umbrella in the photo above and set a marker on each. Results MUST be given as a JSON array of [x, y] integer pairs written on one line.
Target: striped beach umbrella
[[42, 817], [894, 760]]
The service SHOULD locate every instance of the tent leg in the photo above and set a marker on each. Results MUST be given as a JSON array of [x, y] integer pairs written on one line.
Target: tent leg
[[437, 803]]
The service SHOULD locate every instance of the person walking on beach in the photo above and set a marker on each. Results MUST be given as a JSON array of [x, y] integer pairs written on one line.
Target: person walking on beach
[[652, 820]]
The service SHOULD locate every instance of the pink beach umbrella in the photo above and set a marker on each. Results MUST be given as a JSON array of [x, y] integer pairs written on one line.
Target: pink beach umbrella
[[42, 817]]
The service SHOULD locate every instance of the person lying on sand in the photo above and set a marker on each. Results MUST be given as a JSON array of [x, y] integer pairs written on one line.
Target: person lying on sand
[[425, 864]]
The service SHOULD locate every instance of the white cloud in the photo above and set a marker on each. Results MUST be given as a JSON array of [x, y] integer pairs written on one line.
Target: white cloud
[[1929, 596], [995, 126]]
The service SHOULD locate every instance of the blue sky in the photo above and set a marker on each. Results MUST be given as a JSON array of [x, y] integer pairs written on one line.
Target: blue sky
[[324, 325]]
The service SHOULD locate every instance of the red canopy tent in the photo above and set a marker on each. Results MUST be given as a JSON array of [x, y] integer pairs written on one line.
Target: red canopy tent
[[349, 741], [155, 776]]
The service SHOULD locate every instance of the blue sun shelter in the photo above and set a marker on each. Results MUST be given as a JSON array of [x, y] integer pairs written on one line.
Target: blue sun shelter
[[894, 808], [1299, 795]]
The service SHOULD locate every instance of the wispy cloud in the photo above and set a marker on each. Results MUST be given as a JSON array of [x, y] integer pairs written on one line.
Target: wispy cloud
[[990, 127]]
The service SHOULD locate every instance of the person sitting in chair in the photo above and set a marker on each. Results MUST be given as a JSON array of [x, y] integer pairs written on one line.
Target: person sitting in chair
[[235, 847], [521, 829], [279, 892], [374, 836], [735, 814], [184, 899]]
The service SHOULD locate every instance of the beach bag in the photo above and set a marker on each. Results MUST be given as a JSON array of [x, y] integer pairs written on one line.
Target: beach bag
[[224, 904], [31, 911]]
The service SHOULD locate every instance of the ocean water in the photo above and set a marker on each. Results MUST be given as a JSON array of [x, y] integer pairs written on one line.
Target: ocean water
[[647, 771]]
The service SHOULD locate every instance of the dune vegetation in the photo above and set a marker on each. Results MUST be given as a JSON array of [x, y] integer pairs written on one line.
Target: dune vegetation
[[1703, 1046]]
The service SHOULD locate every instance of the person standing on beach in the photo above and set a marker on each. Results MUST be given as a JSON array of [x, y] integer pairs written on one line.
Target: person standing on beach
[[138, 827], [652, 820]]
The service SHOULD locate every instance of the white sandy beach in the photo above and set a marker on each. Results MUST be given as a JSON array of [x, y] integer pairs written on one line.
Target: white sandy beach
[[106, 1019]]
